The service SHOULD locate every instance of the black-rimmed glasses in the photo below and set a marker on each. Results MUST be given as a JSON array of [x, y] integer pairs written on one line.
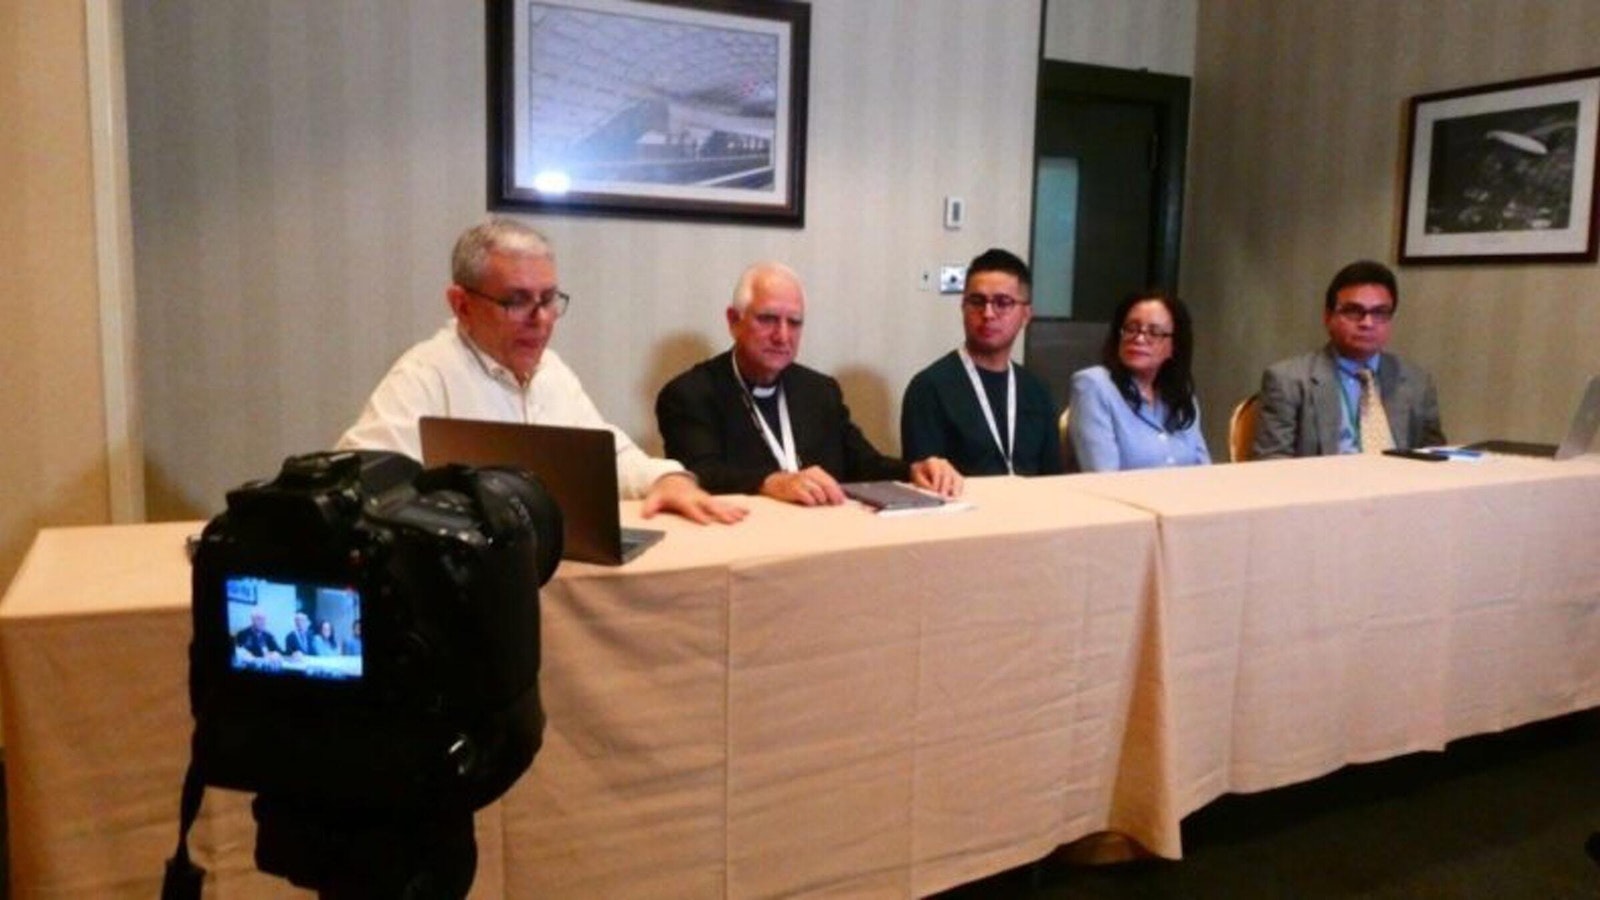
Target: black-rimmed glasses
[[1354, 313], [1002, 303], [522, 306], [1131, 331]]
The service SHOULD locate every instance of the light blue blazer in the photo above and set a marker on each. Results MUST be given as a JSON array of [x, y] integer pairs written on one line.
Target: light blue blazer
[[1108, 434]]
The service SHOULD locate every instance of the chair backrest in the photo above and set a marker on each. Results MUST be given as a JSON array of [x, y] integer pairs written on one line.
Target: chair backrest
[[1242, 429], [1069, 460]]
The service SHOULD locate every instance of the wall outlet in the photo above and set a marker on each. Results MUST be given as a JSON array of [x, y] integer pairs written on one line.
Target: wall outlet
[[952, 279]]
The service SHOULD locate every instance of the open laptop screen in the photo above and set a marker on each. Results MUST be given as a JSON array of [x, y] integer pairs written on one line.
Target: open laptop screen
[[1579, 438], [578, 466]]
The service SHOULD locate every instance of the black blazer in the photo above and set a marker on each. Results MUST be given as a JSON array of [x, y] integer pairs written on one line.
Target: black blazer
[[706, 425]]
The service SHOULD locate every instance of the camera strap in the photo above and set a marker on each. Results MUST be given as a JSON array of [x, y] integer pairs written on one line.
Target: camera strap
[[183, 878]]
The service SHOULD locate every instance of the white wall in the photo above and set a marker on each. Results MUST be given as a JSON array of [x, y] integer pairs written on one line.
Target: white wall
[[300, 170]]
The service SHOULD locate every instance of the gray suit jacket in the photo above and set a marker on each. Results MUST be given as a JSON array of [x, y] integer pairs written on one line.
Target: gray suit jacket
[[1301, 410]]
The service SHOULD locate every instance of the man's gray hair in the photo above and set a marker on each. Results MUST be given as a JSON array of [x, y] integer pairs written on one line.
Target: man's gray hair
[[496, 234], [745, 291]]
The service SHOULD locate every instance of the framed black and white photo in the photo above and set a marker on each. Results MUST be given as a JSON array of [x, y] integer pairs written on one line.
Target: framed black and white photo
[[662, 108], [1503, 172]]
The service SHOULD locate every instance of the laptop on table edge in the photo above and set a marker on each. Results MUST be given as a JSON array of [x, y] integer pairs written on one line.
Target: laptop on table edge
[[578, 466], [1580, 434]]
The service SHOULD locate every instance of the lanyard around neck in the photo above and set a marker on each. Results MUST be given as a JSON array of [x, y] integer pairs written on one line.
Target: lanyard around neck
[[782, 451], [1010, 443]]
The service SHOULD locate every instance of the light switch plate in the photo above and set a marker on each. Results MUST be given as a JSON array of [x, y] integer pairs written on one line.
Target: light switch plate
[[955, 213], [952, 279]]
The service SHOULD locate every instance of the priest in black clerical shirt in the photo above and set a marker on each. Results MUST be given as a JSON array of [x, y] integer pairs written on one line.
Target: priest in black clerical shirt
[[753, 421]]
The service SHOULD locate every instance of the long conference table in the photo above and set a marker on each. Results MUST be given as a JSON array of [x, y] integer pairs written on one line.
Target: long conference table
[[825, 702]]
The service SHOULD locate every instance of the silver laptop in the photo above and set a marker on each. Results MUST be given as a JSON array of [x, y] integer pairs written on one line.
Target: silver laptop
[[1580, 434], [578, 466]]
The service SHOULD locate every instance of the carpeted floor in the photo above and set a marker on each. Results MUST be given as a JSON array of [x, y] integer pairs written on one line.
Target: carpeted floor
[[1497, 816]]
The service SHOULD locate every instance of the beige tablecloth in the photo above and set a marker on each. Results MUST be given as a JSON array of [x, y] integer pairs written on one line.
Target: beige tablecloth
[[1326, 611], [825, 702], [814, 701]]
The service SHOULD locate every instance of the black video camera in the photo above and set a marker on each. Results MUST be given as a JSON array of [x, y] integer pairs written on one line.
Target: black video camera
[[366, 658]]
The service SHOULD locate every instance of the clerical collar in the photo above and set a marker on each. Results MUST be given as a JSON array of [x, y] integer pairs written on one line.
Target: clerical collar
[[758, 401]]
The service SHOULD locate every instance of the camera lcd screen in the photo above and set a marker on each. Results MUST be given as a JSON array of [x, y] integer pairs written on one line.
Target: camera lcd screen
[[294, 629]]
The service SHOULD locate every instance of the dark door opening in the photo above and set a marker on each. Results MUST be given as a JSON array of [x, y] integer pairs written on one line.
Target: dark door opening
[[1108, 205]]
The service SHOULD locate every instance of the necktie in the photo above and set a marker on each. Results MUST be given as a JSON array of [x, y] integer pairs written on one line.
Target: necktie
[[1375, 434]]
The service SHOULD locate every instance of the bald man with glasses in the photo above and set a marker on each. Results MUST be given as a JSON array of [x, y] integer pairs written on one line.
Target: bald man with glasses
[[1350, 396]]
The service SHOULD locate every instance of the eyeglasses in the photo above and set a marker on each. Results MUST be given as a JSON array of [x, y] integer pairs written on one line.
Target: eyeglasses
[[1131, 331], [1354, 313], [769, 321], [1002, 303], [522, 306]]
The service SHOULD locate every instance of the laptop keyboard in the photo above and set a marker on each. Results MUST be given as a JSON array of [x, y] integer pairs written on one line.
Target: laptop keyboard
[[1514, 448], [636, 540]]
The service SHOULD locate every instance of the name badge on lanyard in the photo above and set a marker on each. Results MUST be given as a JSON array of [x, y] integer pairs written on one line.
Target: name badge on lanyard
[[1005, 447], [782, 450]]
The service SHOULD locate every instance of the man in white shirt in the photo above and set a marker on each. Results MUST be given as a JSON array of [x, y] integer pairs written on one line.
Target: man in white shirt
[[493, 362]]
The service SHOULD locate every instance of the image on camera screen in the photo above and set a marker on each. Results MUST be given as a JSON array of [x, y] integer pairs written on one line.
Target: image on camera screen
[[294, 629]]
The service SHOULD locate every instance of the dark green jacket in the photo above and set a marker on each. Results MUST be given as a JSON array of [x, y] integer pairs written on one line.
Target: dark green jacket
[[940, 416]]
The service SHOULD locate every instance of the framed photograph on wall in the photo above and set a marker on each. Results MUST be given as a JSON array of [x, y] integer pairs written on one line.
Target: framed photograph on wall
[[661, 108], [1503, 172]]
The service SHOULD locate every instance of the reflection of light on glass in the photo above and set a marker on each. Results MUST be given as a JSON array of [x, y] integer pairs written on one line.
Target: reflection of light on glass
[[1519, 141], [551, 181]]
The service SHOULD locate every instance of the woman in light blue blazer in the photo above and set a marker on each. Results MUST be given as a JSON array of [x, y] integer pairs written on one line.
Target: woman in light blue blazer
[[1137, 410], [323, 641]]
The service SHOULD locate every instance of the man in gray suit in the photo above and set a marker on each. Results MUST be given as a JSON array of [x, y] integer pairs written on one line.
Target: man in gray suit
[[1310, 404]]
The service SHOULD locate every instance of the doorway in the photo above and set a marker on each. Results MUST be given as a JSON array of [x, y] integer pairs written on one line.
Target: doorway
[[1109, 148]]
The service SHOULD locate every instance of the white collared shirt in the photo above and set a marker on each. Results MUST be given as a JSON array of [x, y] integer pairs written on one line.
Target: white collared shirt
[[446, 375]]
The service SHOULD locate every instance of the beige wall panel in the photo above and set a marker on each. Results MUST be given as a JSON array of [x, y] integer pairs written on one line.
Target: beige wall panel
[[1158, 35], [52, 435], [53, 468], [300, 170], [1296, 166]]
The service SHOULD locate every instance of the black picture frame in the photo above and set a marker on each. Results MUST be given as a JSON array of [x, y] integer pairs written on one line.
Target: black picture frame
[[1503, 173], [681, 109]]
